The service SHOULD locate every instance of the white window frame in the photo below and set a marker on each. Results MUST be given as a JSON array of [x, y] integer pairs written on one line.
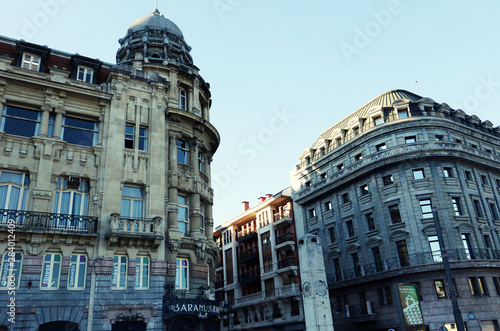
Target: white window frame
[[179, 268], [118, 277], [11, 267], [77, 272], [183, 204], [426, 207], [62, 188], [51, 272], [31, 61], [202, 217], [201, 161], [85, 74], [435, 248], [184, 150], [135, 201], [23, 194], [141, 272], [182, 98], [65, 127]]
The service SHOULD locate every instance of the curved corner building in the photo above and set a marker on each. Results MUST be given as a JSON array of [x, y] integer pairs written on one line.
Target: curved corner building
[[105, 181], [368, 187]]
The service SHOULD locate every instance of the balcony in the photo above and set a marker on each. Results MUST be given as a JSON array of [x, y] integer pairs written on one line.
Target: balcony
[[283, 218], [31, 221], [285, 240], [288, 267], [249, 276], [247, 234], [136, 232], [248, 255], [219, 264]]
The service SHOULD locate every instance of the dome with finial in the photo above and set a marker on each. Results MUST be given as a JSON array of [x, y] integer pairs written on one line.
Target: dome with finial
[[154, 39]]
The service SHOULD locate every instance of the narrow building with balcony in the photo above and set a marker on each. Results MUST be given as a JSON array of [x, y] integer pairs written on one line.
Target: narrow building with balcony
[[105, 195], [374, 186], [257, 273]]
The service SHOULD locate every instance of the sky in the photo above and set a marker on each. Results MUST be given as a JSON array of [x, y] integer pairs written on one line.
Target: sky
[[283, 71]]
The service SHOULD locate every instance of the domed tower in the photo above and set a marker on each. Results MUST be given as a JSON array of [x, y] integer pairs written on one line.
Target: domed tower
[[154, 39], [160, 106]]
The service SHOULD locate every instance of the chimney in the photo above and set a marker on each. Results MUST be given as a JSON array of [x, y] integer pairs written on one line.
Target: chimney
[[269, 196], [246, 205], [261, 199]]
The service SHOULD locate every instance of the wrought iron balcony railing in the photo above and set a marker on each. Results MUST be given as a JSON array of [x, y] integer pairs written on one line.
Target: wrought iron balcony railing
[[37, 221], [290, 262], [249, 275], [284, 238], [281, 215], [248, 254]]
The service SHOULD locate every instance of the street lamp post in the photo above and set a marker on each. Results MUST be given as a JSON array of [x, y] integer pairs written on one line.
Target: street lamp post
[[454, 302]]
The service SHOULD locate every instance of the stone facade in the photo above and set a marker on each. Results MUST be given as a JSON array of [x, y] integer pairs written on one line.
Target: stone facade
[[368, 188], [106, 204], [257, 274]]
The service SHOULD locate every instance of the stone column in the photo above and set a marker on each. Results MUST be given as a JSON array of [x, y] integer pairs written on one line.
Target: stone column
[[190, 104], [206, 115], [194, 156], [194, 216], [196, 95], [58, 123], [208, 165], [209, 223], [44, 123]]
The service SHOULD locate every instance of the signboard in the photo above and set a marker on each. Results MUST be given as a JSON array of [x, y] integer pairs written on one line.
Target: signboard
[[410, 305], [200, 308]]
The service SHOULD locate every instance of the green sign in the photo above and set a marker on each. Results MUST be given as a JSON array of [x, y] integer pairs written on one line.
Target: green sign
[[410, 305]]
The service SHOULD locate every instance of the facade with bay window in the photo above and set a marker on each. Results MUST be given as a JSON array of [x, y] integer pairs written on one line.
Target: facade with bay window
[[105, 178], [372, 187]]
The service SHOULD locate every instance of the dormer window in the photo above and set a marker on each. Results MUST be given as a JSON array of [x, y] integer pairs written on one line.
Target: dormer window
[[31, 61], [85, 74], [378, 120], [403, 113]]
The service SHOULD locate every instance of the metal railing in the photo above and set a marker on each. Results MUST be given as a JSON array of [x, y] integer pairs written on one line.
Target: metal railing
[[281, 215], [37, 221], [284, 238], [246, 233], [248, 254], [290, 262], [249, 275]]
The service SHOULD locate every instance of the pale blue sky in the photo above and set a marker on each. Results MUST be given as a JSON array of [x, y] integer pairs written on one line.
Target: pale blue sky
[[282, 72]]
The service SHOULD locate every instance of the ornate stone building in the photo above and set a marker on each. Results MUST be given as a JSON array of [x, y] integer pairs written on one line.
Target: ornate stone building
[[257, 274], [372, 188], [105, 198]]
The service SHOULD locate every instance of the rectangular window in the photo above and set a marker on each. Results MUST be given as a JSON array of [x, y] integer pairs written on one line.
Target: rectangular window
[[435, 248], [85, 74], [411, 139], [355, 264], [11, 270], [377, 120], [403, 113], [468, 175], [311, 213], [395, 214], [496, 281], [358, 157], [31, 62], [370, 221], [332, 235], [77, 272], [268, 262], [363, 189], [71, 198], [426, 208], [484, 180], [466, 243], [402, 249], [388, 180], [388, 295], [202, 217], [20, 122], [79, 132], [119, 274], [448, 172], [380, 294], [377, 259], [350, 229], [141, 272], [345, 198], [182, 274], [337, 270], [323, 176], [440, 289], [478, 208], [340, 167], [132, 203], [182, 152], [51, 271], [129, 136], [457, 207], [478, 286], [355, 131], [328, 206], [494, 211], [182, 99], [201, 161], [418, 174], [380, 147], [438, 137], [13, 191], [183, 215]]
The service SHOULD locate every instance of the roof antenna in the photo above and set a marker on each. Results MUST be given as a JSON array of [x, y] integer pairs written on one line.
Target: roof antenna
[[416, 82], [156, 5]]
